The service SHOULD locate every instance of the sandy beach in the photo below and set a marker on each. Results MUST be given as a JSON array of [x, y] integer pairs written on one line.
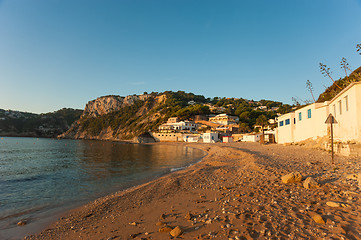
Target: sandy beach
[[235, 192]]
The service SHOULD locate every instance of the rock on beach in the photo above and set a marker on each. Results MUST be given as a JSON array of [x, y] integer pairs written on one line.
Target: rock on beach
[[318, 218], [333, 204], [292, 177], [176, 232], [310, 183]]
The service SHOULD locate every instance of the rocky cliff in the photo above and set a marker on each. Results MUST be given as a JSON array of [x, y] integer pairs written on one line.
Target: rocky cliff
[[111, 103], [118, 118]]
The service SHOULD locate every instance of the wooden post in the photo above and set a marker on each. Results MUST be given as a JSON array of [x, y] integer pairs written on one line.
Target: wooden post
[[332, 142], [331, 120]]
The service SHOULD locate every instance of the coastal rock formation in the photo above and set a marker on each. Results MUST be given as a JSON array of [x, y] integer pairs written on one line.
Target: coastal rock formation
[[103, 105], [111, 103], [119, 118]]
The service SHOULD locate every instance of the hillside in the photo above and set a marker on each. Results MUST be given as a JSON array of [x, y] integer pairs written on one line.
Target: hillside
[[124, 118], [333, 90], [23, 124]]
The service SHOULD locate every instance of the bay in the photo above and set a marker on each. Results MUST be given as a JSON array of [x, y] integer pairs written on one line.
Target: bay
[[39, 178]]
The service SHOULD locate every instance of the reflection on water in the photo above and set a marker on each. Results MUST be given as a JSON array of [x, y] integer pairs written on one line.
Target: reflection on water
[[40, 175]]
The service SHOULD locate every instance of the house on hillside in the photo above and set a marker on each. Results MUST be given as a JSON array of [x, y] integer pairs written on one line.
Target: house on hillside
[[228, 128], [173, 125], [309, 122], [224, 119], [173, 120]]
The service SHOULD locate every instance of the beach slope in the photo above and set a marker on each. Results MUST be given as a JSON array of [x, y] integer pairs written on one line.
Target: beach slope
[[235, 192]]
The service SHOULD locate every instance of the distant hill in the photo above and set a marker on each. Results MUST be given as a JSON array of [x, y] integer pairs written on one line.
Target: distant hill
[[333, 90], [23, 124], [124, 118]]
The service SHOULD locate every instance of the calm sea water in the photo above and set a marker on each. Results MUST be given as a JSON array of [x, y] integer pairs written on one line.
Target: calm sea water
[[41, 177]]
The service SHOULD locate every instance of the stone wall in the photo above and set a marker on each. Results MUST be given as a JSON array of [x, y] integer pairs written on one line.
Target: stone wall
[[168, 137]]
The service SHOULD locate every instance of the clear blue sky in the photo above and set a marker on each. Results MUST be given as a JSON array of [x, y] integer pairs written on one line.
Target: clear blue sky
[[63, 53]]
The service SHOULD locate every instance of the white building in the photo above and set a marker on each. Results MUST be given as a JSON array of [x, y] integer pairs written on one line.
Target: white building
[[178, 126], [210, 137], [309, 121], [190, 138], [227, 139], [251, 137]]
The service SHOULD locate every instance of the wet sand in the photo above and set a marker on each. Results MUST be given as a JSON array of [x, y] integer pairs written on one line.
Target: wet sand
[[235, 192]]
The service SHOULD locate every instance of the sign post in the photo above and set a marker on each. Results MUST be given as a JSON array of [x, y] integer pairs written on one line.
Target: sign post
[[331, 120]]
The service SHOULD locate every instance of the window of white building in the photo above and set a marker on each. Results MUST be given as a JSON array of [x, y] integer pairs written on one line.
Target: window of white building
[[340, 106], [346, 103]]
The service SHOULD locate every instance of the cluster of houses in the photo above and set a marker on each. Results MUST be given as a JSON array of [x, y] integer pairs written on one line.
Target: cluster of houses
[[218, 128], [304, 124]]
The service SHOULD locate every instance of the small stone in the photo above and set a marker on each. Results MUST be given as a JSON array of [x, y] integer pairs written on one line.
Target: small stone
[[344, 205], [318, 219], [162, 216], [188, 216], [134, 235], [292, 177], [22, 223], [165, 229], [133, 224], [310, 183], [332, 204], [176, 231], [160, 223], [352, 176]]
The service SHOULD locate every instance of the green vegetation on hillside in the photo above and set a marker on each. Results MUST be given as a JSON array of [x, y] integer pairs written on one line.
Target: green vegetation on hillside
[[148, 115], [339, 85], [15, 123]]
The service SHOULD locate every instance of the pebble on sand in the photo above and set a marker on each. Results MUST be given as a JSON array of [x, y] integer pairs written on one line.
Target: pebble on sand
[[333, 204], [318, 219], [188, 216], [310, 183], [22, 223], [352, 176], [292, 177], [160, 223], [165, 229], [176, 231]]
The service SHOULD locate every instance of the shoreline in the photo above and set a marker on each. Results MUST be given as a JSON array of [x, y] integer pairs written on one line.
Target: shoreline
[[50, 214], [219, 193]]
